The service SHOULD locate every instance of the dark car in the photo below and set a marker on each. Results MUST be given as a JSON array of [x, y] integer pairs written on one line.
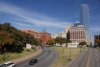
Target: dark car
[[33, 61]]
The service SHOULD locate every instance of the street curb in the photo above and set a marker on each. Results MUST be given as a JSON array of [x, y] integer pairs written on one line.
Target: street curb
[[39, 51], [55, 59]]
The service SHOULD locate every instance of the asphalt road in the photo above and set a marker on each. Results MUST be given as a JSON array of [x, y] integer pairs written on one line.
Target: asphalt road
[[46, 58], [89, 58]]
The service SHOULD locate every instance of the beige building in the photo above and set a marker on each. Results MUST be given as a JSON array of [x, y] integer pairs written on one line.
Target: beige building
[[61, 34], [77, 33], [64, 35]]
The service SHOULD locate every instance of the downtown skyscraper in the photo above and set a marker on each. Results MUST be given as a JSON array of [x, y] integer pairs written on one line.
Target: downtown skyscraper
[[84, 16], [84, 20]]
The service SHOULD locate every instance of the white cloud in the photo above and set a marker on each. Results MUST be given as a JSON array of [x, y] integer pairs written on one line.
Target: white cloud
[[21, 24], [95, 29], [31, 17]]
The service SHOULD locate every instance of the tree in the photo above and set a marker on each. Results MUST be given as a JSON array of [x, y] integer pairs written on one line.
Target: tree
[[12, 39], [58, 40], [5, 39], [97, 42], [82, 43], [68, 35], [62, 40], [39, 42], [51, 42]]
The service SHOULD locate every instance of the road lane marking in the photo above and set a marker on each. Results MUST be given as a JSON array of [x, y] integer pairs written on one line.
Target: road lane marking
[[87, 65]]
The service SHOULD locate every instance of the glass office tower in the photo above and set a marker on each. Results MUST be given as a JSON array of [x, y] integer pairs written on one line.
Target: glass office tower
[[84, 20], [84, 16]]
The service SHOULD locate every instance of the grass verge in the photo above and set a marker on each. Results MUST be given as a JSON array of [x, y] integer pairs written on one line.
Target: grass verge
[[98, 49], [12, 56], [65, 55]]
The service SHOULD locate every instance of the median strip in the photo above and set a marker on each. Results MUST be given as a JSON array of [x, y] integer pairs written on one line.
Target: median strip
[[87, 65], [65, 55]]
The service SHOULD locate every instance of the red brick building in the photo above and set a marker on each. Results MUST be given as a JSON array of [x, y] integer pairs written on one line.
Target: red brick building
[[32, 32], [44, 36]]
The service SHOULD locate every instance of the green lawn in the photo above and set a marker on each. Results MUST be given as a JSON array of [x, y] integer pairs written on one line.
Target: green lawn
[[98, 49], [65, 55], [12, 56]]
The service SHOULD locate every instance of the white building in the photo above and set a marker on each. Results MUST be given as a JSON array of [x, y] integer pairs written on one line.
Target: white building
[[29, 46], [64, 35], [54, 35], [73, 45], [67, 28]]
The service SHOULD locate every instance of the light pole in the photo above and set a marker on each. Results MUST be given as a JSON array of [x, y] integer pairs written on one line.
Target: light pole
[[80, 48], [69, 55], [4, 55]]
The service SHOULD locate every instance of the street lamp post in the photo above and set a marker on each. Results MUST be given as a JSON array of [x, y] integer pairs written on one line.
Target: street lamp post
[[70, 54]]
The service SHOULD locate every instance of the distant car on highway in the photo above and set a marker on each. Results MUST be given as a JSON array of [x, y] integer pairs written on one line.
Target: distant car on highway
[[33, 61], [8, 64]]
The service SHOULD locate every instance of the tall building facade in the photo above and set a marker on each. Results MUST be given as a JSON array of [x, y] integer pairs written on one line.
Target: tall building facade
[[77, 34], [84, 20], [84, 16], [97, 40], [44, 36]]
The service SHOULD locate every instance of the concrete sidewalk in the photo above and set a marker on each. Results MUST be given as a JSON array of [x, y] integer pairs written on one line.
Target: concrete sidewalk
[[39, 51]]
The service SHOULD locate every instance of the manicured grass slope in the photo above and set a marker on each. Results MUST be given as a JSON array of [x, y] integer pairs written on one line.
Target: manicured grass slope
[[65, 55], [12, 56]]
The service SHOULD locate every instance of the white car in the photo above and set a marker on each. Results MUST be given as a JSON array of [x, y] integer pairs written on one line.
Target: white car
[[0, 65], [8, 64]]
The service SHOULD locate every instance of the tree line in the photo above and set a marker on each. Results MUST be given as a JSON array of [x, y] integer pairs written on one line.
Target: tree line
[[59, 40], [13, 40]]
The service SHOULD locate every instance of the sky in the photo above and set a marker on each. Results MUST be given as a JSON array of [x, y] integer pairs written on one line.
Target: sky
[[52, 15]]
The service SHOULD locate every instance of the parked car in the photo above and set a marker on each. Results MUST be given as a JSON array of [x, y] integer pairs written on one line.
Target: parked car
[[0, 65], [47, 45], [33, 61], [8, 64]]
